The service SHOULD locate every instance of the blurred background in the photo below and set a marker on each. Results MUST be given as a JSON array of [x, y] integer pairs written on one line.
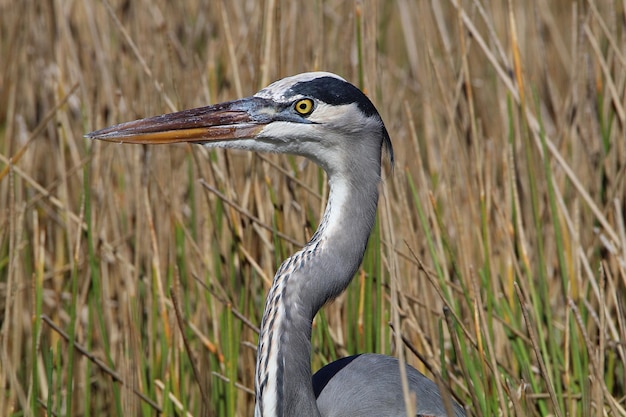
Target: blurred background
[[500, 240]]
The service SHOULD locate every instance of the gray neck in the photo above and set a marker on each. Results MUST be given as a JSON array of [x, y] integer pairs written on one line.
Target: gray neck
[[317, 273]]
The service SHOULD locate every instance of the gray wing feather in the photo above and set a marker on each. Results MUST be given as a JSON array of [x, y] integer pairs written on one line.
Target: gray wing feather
[[369, 385]]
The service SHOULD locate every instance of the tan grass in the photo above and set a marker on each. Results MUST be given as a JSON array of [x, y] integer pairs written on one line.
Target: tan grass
[[502, 247]]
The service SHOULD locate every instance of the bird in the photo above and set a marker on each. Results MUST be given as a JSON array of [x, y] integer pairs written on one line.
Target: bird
[[322, 117]]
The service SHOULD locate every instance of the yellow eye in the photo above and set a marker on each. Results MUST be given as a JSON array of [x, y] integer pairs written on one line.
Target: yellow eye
[[304, 106]]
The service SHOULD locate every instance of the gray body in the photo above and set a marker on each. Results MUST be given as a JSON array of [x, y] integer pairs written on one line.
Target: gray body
[[324, 118], [347, 386]]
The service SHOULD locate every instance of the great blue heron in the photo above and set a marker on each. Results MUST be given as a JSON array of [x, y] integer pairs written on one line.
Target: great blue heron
[[320, 116]]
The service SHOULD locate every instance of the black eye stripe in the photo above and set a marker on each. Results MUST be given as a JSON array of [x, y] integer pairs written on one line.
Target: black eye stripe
[[335, 92]]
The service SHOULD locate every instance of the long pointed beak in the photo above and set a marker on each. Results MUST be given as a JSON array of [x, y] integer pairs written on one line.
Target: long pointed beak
[[239, 119]]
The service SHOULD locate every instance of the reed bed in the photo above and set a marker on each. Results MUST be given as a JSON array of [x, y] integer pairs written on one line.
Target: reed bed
[[132, 278]]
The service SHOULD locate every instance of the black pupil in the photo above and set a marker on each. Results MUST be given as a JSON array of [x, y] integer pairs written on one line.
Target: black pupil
[[303, 105]]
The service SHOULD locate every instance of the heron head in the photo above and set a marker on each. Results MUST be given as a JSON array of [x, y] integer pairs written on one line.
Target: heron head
[[318, 115]]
